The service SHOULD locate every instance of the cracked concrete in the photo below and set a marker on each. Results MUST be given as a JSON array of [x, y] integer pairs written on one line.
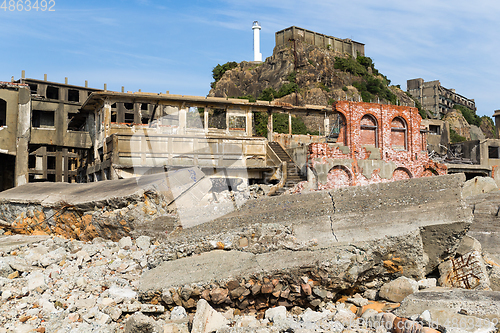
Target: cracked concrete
[[383, 231]]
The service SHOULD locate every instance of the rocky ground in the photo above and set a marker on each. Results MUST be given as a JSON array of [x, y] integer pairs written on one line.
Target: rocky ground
[[51, 284]]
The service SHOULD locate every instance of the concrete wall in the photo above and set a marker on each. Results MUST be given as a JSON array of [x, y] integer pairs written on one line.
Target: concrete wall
[[310, 37], [438, 135], [10, 98], [436, 98], [381, 156]]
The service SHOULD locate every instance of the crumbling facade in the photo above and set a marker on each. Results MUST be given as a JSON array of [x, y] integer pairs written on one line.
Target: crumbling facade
[[36, 141], [291, 34], [374, 143], [436, 98]]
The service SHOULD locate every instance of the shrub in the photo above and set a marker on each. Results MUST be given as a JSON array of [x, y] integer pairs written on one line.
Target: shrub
[[349, 65], [280, 124], [287, 89], [469, 115], [250, 98], [455, 137], [292, 76], [267, 94], [219, 70], [323, 87]]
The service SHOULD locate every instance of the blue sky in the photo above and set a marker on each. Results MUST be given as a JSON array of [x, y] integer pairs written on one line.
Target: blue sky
[[157, 46]]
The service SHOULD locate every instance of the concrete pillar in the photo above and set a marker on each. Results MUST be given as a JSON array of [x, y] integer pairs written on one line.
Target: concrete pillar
[[326, 123], [182, 120], [289, 123], [496, 115], [249, 122], [205, 120], [270, 125], [107, 118], [23, 137]]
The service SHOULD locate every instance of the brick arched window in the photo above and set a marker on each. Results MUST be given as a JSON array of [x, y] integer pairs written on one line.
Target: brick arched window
[[399, 134], [369, 130]]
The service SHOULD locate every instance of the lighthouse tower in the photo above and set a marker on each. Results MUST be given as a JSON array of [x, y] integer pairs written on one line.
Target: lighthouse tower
[[257, 56]]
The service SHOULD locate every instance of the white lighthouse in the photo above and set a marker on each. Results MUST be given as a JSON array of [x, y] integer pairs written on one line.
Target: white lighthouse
[[257, 56]]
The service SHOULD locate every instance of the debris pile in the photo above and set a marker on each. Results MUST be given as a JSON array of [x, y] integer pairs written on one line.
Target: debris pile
[[51, 284]]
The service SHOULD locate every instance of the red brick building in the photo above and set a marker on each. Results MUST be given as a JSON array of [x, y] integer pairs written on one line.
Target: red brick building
[[374, 143]]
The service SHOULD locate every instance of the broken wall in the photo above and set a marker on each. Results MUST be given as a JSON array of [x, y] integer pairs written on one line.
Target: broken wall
[[383, 143]]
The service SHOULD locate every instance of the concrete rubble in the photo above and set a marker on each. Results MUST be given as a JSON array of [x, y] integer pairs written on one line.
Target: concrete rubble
[[349, 260]]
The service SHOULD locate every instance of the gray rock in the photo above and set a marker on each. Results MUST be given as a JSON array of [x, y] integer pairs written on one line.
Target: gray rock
[[397, 290], [125, 243], [178, 313], [206, 319], [427, 283], [143, 242], [5, 269], [139, 323], [313, 316], [276, 314]]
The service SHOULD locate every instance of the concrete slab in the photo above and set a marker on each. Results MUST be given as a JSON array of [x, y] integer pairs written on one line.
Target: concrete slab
[[104, 193], [9, 243], [481, 304], [109, 209], [432, 206]]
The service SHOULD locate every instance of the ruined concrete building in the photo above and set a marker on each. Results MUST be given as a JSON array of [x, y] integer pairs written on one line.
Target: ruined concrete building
[[291, 34], [436, 98], [374, 143], [36, 141], [63, 133]]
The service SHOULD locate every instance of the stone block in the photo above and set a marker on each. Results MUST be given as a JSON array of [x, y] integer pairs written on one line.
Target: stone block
[[206, 319], [397, 290]]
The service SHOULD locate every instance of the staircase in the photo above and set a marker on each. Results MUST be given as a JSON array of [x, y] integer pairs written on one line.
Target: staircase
[[293, 172]]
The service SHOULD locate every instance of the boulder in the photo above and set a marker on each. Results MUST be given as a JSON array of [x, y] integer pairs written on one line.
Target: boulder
[[479, 185], [206, 319], [139, 323], [397, 290]]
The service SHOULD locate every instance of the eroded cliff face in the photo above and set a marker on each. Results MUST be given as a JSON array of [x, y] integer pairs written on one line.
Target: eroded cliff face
[[310, 67], [458, 123]]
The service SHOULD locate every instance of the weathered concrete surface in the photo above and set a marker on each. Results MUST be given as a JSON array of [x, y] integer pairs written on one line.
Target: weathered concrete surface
[[340, 239], [481, 304], [479, 185], [432, 206], [486, 225], [109, 209], [8, 243]]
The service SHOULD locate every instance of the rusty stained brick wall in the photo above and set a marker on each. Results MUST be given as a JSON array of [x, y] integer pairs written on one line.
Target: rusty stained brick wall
[[393, 131]]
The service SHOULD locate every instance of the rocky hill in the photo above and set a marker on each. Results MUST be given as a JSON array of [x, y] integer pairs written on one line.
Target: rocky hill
[[306, 74]]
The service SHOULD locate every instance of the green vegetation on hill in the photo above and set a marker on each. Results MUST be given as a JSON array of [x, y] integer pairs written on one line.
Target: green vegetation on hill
[[372, 83], [269, 94], [280, 124], [455, 137], [219, 70], [469, 115]]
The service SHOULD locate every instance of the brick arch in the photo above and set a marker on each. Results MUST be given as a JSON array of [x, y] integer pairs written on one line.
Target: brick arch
[[401, 173], [369, 130], [429, 172], [338, 128], [339, 176], [399, 133]]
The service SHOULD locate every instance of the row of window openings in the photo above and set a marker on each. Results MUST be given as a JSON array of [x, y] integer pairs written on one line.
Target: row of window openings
[[54, 93], [51, 162]]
